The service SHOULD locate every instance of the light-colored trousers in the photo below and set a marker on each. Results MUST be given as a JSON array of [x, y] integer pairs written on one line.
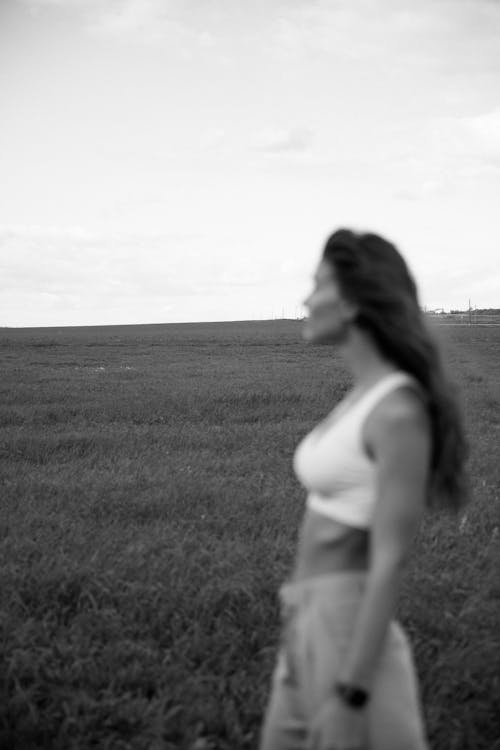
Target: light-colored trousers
[[318, 616]]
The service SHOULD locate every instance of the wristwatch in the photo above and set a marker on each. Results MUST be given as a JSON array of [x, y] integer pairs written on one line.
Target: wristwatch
[[353, 695]]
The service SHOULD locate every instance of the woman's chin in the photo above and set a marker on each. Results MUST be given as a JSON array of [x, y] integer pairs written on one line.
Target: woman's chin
[[308, 333], [311, 335], [314, 336]]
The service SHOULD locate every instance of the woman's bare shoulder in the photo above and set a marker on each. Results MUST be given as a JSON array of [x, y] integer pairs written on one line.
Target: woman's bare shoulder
[[402, 409]]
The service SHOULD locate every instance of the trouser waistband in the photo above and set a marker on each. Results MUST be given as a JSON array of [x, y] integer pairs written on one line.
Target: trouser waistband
[[344, 584]]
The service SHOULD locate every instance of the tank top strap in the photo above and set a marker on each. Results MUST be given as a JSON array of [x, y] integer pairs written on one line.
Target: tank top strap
[[380, 389]]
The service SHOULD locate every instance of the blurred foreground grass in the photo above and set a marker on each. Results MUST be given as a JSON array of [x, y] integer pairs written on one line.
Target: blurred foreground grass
[[149, 513]]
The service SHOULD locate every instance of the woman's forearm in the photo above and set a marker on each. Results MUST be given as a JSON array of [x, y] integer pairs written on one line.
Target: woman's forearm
[[371, 627]]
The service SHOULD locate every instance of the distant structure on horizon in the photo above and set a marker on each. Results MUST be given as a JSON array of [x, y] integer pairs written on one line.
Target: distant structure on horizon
[[470, 316]]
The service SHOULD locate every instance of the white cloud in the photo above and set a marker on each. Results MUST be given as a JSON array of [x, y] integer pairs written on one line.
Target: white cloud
[[59, 275], [450, 154], [63, 260], [213, 138], [481, 134], [146, 21], [443, 35], [293, 140], [475, 136], [364, 102]]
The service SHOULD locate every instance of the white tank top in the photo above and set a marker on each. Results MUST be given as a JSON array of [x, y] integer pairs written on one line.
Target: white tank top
[[332, 464]]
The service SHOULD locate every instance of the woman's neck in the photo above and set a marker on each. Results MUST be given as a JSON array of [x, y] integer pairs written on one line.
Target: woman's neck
[[363, 358]]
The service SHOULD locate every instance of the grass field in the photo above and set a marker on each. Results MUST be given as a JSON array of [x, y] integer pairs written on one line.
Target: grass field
[[149, 513]]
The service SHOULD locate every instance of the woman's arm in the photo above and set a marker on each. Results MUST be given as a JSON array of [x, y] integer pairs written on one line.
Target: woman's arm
[[398, 435]]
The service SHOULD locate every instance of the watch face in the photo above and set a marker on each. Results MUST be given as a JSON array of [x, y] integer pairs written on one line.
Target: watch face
[[353, 696], [358, 699]]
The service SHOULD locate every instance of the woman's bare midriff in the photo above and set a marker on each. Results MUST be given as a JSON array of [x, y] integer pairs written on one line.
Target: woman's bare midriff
[[328, 546]]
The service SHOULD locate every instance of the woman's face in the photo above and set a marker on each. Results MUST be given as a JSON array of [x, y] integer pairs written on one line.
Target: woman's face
[[330, 314]]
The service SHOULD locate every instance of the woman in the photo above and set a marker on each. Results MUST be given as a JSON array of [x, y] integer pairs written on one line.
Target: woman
[[345, 676]]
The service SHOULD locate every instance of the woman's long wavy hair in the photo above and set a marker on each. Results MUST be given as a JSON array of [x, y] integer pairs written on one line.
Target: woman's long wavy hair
[[372, 274]]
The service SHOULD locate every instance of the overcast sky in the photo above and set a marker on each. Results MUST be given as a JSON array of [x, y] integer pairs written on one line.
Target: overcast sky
[[184, 160]]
